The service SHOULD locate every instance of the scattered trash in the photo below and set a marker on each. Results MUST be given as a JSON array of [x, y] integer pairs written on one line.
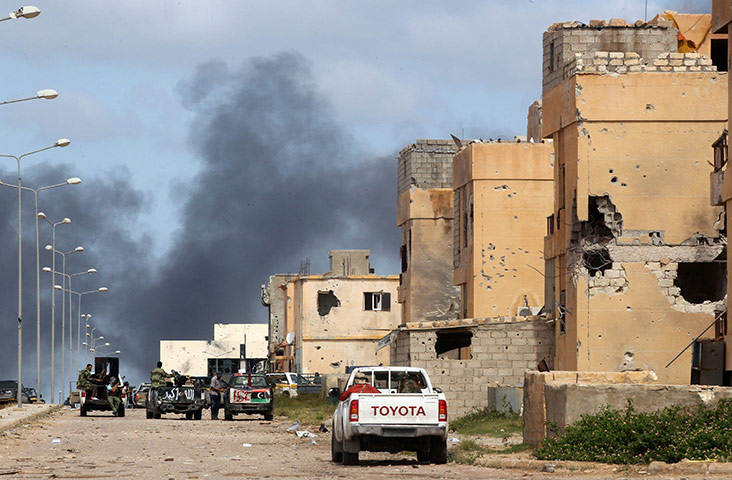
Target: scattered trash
[[305, 434], [314, 442], [548, 468], [454, 440], [56, 441], [323, 428], [246, 445], [169, 459], [294, 426]]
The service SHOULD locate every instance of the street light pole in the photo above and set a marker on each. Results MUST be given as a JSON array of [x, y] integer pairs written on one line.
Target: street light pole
[[79, 294], [59, 143], [63, 312], [48, 94], [70, 181], [53, 298]]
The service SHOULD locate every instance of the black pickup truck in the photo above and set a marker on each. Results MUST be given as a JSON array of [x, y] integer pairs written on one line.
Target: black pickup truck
[[181, 396], [96, 398]]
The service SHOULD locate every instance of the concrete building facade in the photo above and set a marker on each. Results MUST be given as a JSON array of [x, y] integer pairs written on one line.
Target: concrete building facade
[[634, 252], [502, 194], [333, 321], [234, 347], [425, 215]]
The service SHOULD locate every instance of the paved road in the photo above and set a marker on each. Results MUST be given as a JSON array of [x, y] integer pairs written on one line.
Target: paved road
[[102, 446]]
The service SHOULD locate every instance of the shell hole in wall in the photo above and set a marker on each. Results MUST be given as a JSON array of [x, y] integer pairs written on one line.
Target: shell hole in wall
[[702, 281]]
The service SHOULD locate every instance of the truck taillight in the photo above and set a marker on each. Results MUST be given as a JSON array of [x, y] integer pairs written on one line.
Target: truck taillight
[[442, 411], [83, 393], [353, 412]]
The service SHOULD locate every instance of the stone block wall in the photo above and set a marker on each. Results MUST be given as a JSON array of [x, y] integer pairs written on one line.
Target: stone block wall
[[631, 62], [502, 349], [562, 41], [535, 402], [426, 164]]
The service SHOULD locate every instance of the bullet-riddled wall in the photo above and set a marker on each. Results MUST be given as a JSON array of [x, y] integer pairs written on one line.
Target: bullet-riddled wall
[[633, 242], [502, 197]]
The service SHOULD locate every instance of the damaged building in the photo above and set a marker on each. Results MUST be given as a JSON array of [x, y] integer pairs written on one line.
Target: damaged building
[[425, 216], [327, 323], [500, 194], [635, 253]]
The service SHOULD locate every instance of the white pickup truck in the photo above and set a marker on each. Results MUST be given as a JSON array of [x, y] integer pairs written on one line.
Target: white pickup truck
[[407, 414]]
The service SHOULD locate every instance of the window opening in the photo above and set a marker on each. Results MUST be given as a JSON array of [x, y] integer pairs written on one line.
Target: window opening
[[326, 301], [562, 312], [454, 344], [597, 260], [699, 282], [377, 301]]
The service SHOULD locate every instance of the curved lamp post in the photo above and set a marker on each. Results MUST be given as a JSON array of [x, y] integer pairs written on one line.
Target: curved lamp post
[[59, 143], [47, 94], [70, 181], [65, 220], [23, 12], [78, 249]]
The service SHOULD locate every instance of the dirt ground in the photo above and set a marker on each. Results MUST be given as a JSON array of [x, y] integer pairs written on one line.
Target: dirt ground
[[64, 445]]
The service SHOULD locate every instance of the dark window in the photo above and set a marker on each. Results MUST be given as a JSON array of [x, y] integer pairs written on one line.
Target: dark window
[[597, 260], [377, 301], [403, 257], [562, 312], [719, 54], [454, 344]]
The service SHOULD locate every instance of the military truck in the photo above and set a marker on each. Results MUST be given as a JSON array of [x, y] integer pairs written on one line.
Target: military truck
[[96, 398], [182, 395]]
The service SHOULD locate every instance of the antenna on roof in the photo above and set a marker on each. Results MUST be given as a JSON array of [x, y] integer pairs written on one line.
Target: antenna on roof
[[646, 17]]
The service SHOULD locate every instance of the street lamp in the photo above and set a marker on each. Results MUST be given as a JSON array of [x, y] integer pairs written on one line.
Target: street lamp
[[23, 12], [78, 249], [65, 220], [78, 336], [47, 94], [70, 181], [62, 142]]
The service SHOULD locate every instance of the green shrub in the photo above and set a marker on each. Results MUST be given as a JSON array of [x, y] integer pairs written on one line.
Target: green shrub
[[309, 409], [631, 437]]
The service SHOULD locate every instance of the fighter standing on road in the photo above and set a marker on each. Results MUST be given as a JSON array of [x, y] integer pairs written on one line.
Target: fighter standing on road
[[216, 390], [115, 397], [83, 382]]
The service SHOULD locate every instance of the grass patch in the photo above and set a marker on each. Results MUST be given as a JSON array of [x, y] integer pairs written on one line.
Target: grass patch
[[631, 437], [468, 451], [309, 409], [488, 422]]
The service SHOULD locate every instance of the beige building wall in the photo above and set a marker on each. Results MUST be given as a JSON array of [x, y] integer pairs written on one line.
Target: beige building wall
[[502, 197], [425, 216], [333, 329], [190, 357], [632, 231]]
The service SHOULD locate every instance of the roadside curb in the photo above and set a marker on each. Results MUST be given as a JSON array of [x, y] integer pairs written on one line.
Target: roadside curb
[[654, 468], [16, 422]]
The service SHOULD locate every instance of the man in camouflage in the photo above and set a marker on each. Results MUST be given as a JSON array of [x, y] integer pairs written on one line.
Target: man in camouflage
[[158, 378], [114, 396], [83, 382]]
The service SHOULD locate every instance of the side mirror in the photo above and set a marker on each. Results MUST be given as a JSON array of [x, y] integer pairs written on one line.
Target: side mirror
[[437, 390], [334, 392]]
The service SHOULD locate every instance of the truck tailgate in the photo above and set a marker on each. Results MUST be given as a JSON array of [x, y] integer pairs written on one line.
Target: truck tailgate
[[398, 409]]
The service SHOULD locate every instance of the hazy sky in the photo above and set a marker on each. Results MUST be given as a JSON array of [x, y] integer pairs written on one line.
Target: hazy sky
[[221, 142]]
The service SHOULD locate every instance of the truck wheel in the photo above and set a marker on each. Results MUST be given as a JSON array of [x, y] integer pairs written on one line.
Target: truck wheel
[[438, 450], [148, 414], [423, 455], [350, 458], [82, 411], [268, 416], [157, 414], [228, 416], [336, 449], [189, 415], [197, 415], [121, 411]]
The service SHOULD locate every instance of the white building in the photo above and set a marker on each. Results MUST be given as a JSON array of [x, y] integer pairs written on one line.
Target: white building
[[234, 346]]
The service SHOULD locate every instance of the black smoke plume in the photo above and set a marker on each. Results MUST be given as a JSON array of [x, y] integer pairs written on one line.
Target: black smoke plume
[[280, 180]]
